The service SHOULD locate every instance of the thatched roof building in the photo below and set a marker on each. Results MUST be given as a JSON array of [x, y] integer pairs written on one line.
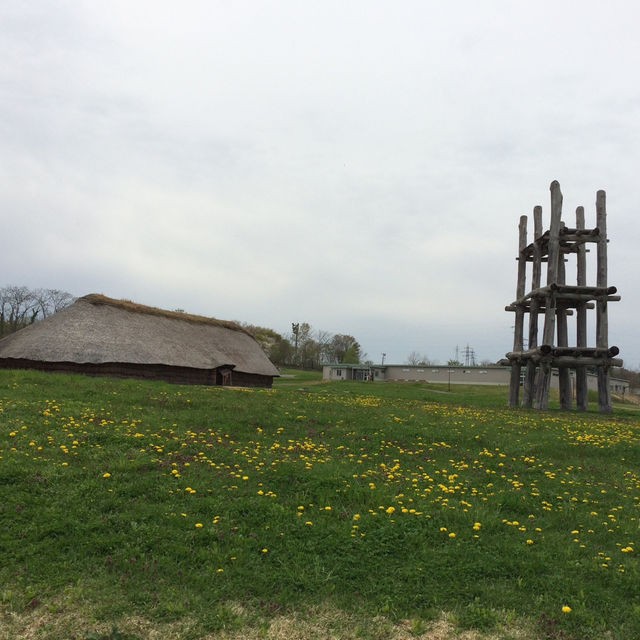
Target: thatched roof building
[[100, 336]]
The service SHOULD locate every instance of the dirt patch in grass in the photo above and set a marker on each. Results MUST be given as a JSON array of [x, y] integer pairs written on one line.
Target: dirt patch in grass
[[332, 624], [57, 621], [49, 623]]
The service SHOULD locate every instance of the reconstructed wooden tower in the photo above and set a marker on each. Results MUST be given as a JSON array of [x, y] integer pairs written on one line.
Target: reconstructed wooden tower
[[555, 302]]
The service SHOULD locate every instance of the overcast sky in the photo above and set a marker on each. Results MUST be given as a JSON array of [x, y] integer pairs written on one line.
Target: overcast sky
[[357, 164]]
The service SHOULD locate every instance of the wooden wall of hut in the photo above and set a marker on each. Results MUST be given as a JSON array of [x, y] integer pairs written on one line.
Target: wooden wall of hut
[[177, 375]]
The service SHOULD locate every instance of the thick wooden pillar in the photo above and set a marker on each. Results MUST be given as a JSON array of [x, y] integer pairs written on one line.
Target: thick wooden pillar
[[564, 374], [602, 325], [536, 274], [582, 392], [518, 333], [548, 334]]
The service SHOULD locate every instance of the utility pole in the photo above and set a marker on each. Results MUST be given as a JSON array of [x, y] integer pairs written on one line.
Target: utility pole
[[295, 328], [469, 357]]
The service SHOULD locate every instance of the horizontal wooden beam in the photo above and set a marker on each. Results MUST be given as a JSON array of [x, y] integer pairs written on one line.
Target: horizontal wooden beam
[[522, 357], [570, 361], [537, 352], [548, 349], [567, 308], [566, 234], [580, 233], [570, 292], [586, 351]]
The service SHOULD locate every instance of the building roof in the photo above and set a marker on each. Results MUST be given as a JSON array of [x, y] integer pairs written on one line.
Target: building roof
[[96, 329]]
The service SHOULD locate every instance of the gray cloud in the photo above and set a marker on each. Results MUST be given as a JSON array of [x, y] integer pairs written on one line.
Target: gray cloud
[[359, 166]]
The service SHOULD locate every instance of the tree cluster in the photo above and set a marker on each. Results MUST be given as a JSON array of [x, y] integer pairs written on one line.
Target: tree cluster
[[306, 347], [21, 306]]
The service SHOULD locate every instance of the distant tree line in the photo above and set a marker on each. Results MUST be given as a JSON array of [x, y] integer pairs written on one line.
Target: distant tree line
[[416, 358], [21, 306], [306, 347]]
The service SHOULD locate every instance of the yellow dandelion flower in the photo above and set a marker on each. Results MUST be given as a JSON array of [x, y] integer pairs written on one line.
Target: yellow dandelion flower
[[566, 609], [106, 475], [199, 525]]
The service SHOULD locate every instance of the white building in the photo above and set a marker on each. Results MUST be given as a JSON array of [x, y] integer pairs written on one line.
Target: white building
[[436, 374]]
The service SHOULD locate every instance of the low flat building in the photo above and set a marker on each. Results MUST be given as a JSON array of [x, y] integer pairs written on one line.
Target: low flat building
[[439, 374]]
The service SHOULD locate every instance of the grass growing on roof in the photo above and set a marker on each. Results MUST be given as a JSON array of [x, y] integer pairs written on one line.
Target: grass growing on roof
[[218, 508], [134, 307]]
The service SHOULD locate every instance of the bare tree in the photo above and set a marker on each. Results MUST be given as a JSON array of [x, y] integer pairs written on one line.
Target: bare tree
[[18, 308], [323, 340], [417, 359], [21, 306], [51, 301], [312, 348], [306, 351]]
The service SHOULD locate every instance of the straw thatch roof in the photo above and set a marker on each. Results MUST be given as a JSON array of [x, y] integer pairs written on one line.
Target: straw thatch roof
[[97, 330]]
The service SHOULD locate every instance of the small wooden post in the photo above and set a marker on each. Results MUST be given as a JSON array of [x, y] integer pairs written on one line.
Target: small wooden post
[[514, 388], [530, 376], [582, 393], [602, 325]]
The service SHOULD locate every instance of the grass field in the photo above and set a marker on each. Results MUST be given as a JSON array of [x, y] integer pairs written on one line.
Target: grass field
[[147, 510]]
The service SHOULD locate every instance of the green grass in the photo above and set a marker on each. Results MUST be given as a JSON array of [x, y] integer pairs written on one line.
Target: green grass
[[391, 500], [297, 378]]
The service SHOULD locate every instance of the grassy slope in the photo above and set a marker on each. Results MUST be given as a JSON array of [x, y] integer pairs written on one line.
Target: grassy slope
[[393, 500]]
